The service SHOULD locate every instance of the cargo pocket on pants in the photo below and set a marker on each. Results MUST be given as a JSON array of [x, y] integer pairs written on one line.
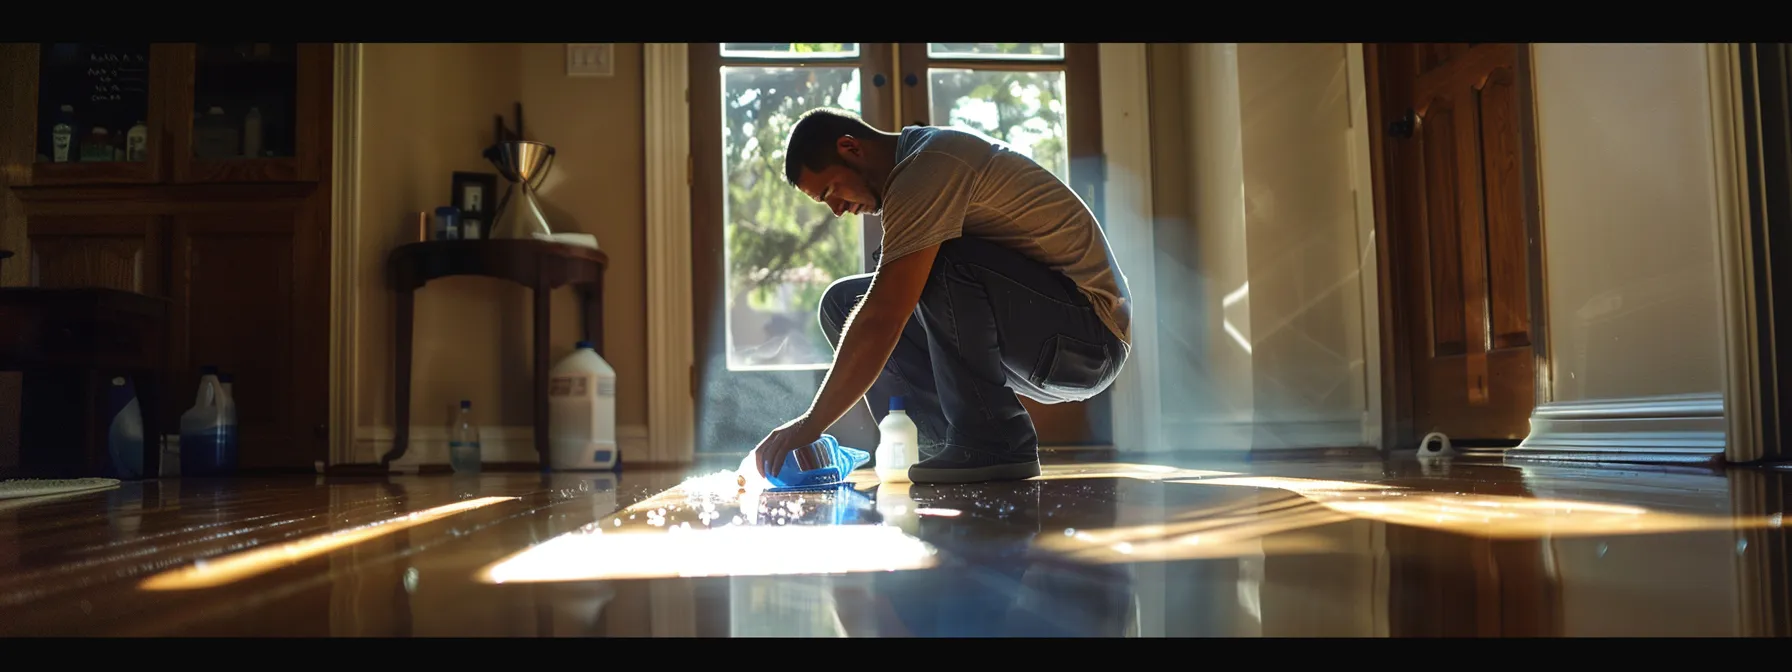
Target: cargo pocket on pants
[[1071, 367]]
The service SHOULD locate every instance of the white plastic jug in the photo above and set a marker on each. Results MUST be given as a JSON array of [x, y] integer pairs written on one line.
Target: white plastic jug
[[207, 439], [898, 443], [582, 412]]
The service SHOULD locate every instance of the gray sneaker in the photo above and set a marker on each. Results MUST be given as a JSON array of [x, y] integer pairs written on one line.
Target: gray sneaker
[[957, 464]]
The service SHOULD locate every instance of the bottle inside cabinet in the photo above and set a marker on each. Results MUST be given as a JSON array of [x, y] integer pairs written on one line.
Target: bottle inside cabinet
[[90, 97], [245, 100]]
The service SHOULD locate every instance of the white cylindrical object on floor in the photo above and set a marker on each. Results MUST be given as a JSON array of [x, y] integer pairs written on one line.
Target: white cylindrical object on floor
[[898, 444], [582, 412]]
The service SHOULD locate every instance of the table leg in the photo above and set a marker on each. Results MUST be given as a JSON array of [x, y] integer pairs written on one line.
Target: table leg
[[61, 430], [543, 292], [150, 396], [401, 385], [591, 304]]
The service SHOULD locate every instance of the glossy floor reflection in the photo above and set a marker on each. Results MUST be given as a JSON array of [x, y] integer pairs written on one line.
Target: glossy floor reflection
[[1123, 546]]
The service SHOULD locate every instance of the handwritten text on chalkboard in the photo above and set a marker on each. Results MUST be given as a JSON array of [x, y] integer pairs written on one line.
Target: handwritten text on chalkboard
[[116, 75]]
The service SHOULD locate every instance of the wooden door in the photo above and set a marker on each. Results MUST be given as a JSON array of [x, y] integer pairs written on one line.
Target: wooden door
[[1457, 215], [111, 251], [250, 297]]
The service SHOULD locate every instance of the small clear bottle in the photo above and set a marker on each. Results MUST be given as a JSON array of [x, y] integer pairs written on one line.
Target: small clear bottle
[[463, 442]]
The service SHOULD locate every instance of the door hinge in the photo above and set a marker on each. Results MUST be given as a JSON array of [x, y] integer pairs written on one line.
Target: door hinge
[[690, 169]]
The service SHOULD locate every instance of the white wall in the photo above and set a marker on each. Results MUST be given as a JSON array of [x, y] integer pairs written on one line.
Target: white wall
[[1260, 297], [1629, 219]]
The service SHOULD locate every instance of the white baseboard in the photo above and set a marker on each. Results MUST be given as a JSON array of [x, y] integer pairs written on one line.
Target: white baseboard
[[516, 443], [1676, 428]]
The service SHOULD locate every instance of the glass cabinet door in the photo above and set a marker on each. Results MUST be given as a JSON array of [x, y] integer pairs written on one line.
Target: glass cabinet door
[[249, 112], [97, 113]]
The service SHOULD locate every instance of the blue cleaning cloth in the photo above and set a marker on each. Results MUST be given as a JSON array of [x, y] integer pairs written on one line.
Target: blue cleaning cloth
[[790, 477]]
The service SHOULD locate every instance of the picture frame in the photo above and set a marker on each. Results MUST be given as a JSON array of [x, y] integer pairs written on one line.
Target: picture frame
[[476, 195]]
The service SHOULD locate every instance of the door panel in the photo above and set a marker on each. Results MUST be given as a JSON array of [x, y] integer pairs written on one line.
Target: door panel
[[1459, 235], [249, 299], [114, 252]]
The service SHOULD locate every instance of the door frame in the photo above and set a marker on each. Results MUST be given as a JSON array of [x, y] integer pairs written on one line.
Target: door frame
[[345, 253], [707, 271], [1751, 83], [1398, 431], [671, 260]]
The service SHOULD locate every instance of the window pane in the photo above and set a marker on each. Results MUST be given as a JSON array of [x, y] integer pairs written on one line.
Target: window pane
[[783, 249], [790, 49], [996, 50], [1023, 109]]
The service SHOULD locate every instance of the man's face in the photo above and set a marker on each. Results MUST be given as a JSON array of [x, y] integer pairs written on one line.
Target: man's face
[[842, 186]]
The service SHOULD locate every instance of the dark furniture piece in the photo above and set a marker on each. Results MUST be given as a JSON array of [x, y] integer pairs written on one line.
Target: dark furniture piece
[[539, 265], [236, 236], [68, 343]]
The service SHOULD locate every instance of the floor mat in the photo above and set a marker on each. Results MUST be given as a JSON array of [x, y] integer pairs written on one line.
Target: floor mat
[[38, 487]]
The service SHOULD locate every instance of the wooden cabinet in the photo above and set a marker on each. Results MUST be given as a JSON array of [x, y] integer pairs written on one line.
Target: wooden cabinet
[[209, 113], [219, 200]]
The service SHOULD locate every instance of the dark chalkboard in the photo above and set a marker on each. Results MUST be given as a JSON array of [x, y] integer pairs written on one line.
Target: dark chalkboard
[[106, 84], [117, 75]]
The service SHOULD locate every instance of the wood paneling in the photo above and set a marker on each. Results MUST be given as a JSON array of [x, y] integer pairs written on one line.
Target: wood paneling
[[115, 252]]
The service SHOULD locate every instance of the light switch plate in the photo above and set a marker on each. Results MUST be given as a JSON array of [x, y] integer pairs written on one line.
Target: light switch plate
[[589, 60]]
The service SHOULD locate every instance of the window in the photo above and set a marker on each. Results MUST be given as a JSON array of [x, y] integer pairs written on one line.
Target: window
[[779, 249]]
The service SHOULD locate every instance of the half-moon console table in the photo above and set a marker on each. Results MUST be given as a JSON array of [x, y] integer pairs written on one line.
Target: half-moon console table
[[539, 265]]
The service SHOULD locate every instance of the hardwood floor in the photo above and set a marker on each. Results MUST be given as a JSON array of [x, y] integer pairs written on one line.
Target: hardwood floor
[[1100, 545]]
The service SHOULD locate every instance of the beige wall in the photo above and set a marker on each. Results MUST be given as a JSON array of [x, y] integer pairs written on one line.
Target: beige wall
[[1629, 219], [427, 112], [1262, 326]]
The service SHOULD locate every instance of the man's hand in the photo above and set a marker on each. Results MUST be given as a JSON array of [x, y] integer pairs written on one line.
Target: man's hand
[[769, 455], [865, 345]]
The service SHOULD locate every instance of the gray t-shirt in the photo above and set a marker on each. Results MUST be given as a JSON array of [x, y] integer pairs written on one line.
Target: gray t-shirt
[[949, 183]]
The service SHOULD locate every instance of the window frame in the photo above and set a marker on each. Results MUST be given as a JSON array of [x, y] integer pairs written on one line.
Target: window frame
[[895, 101]]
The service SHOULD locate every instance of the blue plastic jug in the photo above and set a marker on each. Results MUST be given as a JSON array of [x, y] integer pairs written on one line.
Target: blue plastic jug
[[124, 434]]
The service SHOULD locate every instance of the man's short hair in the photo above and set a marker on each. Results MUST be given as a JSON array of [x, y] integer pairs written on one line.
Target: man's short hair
[[814, 137]]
